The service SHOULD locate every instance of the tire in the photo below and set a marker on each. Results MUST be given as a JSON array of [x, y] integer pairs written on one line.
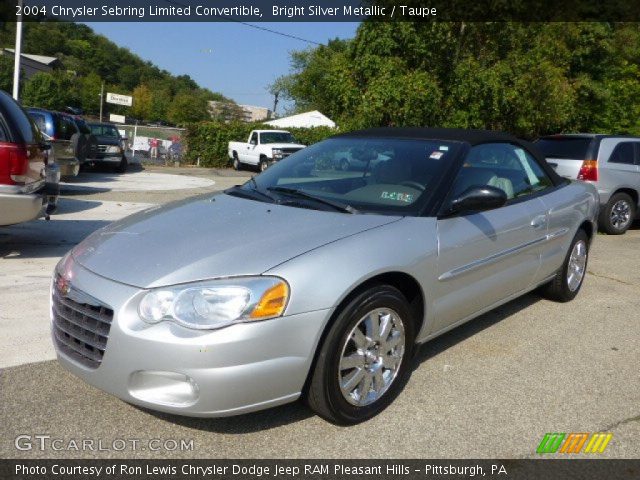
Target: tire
[[618, 214], [79, 146], [236, 162], [324, 394], [564, 287], [91, 146], [123, 165], [263, 164]]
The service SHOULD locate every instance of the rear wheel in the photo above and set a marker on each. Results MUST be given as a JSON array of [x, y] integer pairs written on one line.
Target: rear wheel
[[236, 161], [617, 216], [365, 359], [568, 280]]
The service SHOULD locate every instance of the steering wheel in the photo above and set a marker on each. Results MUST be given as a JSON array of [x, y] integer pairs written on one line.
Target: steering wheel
[[416, 185]]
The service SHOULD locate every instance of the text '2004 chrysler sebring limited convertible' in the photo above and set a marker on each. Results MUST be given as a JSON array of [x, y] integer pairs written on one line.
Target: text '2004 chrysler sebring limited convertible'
[[316, 281]]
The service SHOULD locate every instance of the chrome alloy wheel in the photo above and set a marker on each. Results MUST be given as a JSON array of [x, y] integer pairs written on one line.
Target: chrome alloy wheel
[[620, 214], [371, 357], [577, 265]]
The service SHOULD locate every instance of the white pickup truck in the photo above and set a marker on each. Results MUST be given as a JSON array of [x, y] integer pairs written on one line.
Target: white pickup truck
[[263, 148]]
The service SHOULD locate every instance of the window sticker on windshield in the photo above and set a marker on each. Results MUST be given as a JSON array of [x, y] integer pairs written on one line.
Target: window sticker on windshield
[[444, 148], [436, 155], [400, 197]]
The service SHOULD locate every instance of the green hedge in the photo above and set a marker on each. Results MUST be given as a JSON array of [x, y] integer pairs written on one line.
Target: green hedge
[[208, 141]]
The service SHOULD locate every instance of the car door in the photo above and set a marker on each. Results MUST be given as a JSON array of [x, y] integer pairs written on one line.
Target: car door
[[487, 257], [251, 152], [617, 162]]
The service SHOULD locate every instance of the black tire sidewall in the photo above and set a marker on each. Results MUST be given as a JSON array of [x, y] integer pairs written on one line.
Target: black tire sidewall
[[566, 291], [606, 220], [377, 297]]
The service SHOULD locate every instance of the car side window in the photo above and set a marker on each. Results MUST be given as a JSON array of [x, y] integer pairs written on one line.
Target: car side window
[[505, 166], [623, 153], [66, 127]]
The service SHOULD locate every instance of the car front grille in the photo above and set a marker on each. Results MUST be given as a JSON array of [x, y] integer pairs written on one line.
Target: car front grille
[[288, 151], [81, 325], [102, 148]]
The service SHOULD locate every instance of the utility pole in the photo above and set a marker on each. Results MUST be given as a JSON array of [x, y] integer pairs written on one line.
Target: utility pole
[[101, 100], [18, 52]]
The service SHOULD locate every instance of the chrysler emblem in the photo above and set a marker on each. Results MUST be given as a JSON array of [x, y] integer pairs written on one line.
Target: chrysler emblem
[[63, 285]]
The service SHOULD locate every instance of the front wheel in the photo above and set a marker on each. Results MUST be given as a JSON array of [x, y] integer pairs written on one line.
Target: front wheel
[[365, 359], [568, 280]]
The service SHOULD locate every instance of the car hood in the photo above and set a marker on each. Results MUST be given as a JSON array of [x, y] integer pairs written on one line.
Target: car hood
[[212, 236], [284, 145]]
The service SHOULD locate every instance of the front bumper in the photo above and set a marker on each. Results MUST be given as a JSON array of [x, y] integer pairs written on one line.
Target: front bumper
[[170, 368]]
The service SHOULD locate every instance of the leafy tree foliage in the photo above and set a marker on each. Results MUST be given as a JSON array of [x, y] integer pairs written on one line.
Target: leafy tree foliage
[[527, 78]]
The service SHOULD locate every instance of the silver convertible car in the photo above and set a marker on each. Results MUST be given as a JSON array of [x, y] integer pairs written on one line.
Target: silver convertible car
[[317, 282]]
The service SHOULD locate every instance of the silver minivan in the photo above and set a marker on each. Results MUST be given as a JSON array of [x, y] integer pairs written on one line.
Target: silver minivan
[[610, 162]]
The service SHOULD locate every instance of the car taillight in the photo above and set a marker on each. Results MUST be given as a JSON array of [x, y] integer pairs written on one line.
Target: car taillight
[[18, 165], [14, 164], [589, 171]]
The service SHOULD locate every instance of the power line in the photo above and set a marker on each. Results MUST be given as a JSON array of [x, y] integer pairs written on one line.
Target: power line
[[265, 29]]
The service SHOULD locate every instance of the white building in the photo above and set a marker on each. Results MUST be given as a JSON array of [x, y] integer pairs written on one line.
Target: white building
[[303, 120]]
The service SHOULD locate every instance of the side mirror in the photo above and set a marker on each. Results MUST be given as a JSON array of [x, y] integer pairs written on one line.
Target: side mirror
[[478, 199], [252, 142]]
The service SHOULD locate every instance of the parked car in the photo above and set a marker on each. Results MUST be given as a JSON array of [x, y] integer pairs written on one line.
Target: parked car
[[166, 309], [28, 184], [263, 148], [110, 149], [70, 137], [610, 162]]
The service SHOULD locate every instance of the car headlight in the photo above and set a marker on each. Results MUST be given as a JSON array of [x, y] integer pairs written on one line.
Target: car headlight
[[113, 149], [217, 303], [276, 153]]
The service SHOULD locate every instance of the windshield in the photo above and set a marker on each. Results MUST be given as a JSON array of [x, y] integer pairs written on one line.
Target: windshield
[[365, 174], [277, 137], [105, 131], [564, 147]]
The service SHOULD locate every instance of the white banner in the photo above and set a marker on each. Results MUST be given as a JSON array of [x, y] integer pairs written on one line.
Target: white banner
[[119, 99], [116, 118]]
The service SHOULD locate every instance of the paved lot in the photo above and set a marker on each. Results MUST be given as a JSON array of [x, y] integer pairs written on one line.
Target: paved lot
[[491, 388]]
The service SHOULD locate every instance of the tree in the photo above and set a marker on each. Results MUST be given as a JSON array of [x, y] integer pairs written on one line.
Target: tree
[[526, 78], [187, 107], [89, 88], [142, 102], [49, 90], [6, 73]]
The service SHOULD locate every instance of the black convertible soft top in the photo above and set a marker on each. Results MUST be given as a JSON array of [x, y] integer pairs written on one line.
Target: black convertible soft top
[[470, 136], [473, 137]]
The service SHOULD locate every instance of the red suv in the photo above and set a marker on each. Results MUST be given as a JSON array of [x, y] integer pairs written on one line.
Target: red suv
[[27, 182]]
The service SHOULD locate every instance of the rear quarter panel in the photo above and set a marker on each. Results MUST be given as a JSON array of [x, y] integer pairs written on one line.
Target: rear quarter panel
[[568, 207]]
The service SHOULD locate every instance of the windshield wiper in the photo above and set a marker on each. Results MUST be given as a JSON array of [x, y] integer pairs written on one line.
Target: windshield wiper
[[253, 192], [293, 192]]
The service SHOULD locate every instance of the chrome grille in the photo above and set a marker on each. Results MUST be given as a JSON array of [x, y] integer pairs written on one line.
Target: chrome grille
[[288, 151], [102, 148], [81, 326]]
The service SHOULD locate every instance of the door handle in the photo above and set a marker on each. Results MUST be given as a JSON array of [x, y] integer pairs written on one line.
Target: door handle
[[539, 221]]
